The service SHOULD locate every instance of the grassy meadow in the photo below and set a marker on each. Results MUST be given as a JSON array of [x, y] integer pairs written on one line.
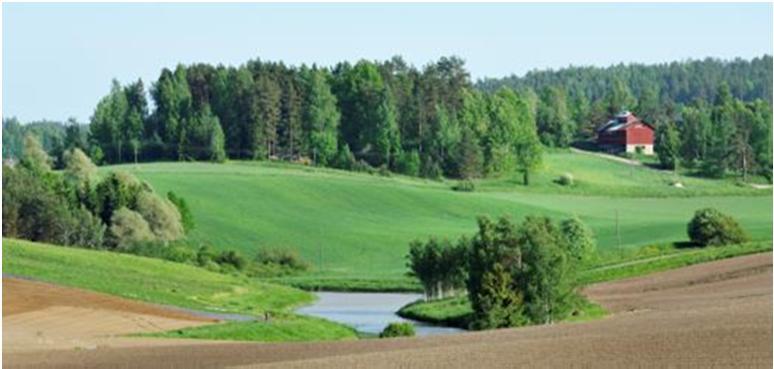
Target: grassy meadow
[[354, 228]]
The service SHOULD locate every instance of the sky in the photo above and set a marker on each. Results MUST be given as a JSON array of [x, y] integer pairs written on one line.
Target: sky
[[59, 59]]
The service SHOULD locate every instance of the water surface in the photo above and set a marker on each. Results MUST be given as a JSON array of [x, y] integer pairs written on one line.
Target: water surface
[[368, 312]]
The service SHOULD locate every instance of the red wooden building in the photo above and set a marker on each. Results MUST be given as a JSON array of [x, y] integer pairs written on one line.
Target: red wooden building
[[626, 133]]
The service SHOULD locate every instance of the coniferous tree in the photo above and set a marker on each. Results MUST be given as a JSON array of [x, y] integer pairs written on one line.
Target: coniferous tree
[[667, 145]]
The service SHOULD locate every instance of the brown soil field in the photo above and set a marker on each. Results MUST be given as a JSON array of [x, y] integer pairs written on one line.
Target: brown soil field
[[712, 315], [39, 316]]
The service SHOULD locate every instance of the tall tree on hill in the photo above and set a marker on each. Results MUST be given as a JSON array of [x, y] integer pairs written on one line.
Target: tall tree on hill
[[581, 115], [268, 105], [760, 137], [475, 112], [554, 123], [290, 135], [720, 153], [619, 97], [386, 135], [137, 113], [527, 147], [75, 135], [367, 111], [649, 105], [173, 106], [469, 157], [322, 118], [107, 122], [446, 137], [667, 145], [243, 131], [695, 135], [504, 117]]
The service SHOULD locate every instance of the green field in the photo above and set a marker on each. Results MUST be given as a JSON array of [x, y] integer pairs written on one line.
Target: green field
[[146, 279], [355, 226]]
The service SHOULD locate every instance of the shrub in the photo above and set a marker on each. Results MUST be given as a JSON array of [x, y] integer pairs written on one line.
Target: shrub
[[344, 158], [363, 166], [398, 330], [580, 239], [162, 216], [179, 253], [281, 257], [186, 217], [231, 258], [566, 179], [129, 227], [711, 227], [430, 169], [86, 229], [464, 185], [408, 163], [78, 167], [384, 171], [117, 190]]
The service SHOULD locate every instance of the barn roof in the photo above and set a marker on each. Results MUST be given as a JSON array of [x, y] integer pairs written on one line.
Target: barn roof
[[621, 121]]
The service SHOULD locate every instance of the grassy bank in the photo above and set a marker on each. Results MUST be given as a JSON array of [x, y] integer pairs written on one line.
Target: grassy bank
[[354, 228], [168, 283], [313, 282], [146, 279], [456, 311], [285, 328]]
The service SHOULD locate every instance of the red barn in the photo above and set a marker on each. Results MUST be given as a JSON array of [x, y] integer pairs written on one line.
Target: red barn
[[626, 133]]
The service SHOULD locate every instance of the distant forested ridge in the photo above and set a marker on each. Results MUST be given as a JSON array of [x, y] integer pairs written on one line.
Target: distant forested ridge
[[676, 82], [433, 121], [53, 136]]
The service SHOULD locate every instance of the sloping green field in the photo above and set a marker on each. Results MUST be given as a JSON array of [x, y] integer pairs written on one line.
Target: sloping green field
[[354, 225], [163, 282], [145, 279]]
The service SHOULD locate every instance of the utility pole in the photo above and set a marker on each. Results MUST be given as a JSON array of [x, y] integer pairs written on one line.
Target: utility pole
[[617, 231]]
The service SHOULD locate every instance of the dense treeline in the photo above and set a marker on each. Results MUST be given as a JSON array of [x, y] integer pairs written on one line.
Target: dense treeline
[[428, 122], [515, 274], [431, 121], [729, 135]]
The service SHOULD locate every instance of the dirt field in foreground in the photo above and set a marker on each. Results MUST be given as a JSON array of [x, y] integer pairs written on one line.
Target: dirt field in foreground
[[40, 316], [711, 315]]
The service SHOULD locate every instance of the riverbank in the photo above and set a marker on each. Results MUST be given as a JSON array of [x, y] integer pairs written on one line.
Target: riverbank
[[709, 315], [457, 311]]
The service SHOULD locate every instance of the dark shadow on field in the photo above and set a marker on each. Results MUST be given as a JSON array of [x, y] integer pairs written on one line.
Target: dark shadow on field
[[686, 245]]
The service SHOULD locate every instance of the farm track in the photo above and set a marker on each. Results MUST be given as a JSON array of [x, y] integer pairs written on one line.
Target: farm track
[[716, 314]]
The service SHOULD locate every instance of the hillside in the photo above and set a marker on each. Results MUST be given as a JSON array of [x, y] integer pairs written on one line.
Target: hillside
[[145, 279], [173, 285], [354, 225]]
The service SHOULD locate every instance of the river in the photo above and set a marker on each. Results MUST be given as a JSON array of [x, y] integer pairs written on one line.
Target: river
[[368, 312]]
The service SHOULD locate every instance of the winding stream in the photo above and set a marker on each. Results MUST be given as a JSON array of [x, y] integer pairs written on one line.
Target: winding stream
[[368, 312]]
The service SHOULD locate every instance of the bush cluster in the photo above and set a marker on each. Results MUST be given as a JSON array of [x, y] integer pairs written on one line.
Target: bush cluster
[[398, 330], [566, 179], [710, 227], [464, 185], [515, 274]]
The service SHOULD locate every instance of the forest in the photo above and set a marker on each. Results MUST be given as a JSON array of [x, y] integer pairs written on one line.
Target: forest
[[712, 116]]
